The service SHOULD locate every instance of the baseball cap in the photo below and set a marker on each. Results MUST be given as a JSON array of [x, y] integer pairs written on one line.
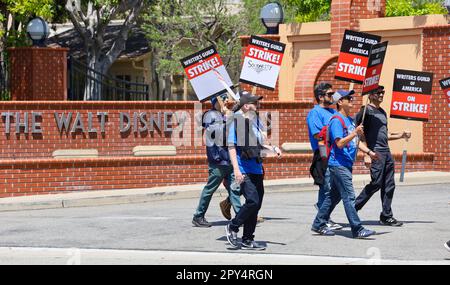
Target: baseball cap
[[378, 89], [214, 99], [246, 98], [338, 95]]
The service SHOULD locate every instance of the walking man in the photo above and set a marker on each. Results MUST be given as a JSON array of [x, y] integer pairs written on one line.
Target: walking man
[[376, 136], [343, 136], [245, 144], [219, 163], [318, 118]]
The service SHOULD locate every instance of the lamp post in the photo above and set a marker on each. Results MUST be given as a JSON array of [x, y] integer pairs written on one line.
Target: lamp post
[[272, 16], [38, 31]]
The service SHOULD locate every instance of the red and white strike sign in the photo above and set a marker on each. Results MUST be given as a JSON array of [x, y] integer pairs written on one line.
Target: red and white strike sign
[[373, 74], [354, 56], [445, 84], [411, 96], [200, 69], [262, 62]]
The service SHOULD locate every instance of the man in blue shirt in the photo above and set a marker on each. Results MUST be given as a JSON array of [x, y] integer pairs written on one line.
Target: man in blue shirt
[[344, 138], [317, 118], [246, 141], [219, 164]]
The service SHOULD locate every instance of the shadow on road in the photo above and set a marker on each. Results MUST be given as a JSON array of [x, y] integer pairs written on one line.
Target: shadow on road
[[377, 223], [348, 234]]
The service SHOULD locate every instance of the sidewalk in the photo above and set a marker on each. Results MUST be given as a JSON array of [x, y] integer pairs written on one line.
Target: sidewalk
[[74, 256], [114, 197]]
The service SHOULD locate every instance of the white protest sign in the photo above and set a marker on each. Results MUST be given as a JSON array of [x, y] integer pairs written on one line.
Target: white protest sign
[[262, 62], [199, 70]]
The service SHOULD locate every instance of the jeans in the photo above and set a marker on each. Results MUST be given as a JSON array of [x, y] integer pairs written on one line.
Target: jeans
[[324, 189], [341, 188], [253, 190], [217, 173], [382, 177]]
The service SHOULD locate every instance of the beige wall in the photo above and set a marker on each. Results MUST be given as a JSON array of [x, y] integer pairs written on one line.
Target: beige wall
[[305, 41]]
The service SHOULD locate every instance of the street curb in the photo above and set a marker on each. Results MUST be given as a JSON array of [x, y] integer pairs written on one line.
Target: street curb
[[116, 197]]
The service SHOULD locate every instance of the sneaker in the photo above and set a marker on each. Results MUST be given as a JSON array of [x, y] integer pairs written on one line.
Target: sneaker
[[231, 236], [390, 222], [447, 245], [364, 233], [200, 222], [225, 208], [333, 226], [253, 245], [324, 231]]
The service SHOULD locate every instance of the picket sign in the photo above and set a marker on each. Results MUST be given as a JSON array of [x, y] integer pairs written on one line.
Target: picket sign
[[411, 99]]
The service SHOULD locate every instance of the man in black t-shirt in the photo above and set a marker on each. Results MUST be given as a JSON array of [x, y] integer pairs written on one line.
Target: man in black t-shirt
[[376, 136]]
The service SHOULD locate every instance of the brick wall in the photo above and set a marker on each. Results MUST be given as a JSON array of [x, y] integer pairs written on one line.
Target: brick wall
[[112, 143], [38, 73], [32, 177], [436, 58], [26, 169]]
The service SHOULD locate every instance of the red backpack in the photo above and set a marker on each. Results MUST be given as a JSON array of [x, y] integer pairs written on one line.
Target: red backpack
[[324, 136]]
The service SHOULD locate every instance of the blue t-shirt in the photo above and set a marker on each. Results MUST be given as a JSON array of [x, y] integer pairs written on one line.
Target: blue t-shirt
[[318, 118], [246, 166], [346, 155]]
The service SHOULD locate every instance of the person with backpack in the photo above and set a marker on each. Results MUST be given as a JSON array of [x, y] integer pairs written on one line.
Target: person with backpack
[[376, 136], [220, 168], [316, 120], [246, 143], [343, 136]]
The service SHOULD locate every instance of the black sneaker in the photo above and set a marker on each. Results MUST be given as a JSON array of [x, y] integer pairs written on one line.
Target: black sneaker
[[231, 236], [324, 231], [200, 222], [364, 233], [447, 245], [390, 222], [253, 245]]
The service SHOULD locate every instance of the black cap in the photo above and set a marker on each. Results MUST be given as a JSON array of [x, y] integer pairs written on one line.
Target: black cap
[[246, 98], [378, 89]]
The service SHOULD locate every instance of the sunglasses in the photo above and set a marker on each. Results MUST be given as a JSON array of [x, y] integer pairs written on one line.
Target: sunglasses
[[329, 94], [349, 98], [380, 93]]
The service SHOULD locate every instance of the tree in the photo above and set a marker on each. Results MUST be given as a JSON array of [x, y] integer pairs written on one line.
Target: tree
[[177, 28], [414, 7], [319, 10], [90, 19]]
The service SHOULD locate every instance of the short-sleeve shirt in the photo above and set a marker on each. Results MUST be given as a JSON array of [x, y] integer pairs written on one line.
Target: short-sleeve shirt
[[375, 128], [246, 166], [345, 156], [317, 118]]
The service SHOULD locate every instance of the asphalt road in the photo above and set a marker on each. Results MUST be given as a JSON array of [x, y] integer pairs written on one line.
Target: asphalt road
[[166, 225]]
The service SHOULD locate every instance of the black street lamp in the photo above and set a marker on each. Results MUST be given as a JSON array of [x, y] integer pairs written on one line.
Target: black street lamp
[[272, 16], [38, 31]]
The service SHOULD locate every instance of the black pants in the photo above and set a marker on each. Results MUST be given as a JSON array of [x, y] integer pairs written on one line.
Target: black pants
[[253, 190], [382, 175]]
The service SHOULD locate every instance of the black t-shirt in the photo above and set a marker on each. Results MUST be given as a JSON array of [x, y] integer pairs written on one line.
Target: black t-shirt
[[375, 128]]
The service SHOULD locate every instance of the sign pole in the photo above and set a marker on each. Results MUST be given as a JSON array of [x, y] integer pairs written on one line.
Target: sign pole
[[404, 156], [255, 87], [222, 81]]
